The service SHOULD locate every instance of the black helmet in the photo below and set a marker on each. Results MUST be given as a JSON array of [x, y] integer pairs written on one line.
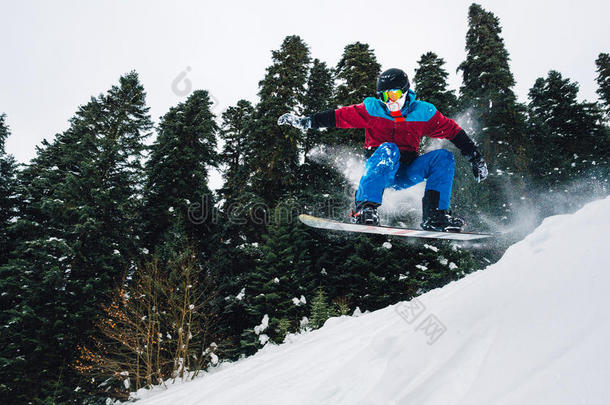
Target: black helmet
[[393, 79]]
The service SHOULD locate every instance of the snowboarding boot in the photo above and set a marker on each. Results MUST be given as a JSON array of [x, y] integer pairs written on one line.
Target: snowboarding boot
[[434, 219], [365, 214]]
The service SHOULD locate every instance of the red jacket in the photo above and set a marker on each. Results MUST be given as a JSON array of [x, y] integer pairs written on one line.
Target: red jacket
[[417, 119]]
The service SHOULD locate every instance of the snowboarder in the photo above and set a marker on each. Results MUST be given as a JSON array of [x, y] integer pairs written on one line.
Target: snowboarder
[[394, 124]]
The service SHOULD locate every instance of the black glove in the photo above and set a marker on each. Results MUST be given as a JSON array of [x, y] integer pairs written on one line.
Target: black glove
[[302, 123], [469, 149], [479, 167]]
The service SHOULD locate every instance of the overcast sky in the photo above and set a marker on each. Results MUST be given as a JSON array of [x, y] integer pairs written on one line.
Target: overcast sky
[[56, 54]]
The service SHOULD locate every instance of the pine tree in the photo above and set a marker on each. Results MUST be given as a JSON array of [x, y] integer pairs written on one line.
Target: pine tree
[[357, 73], [319, 97], [603, 80], [320, 309], [232, 264], [8, 190], [106, 192], [79, 211], [487, 87], [10, 281], [282, 276], [275, 149], [239, 160], [430, 83], [178, 202], [235, 258], [566, 135], [236, 132], [354, 274], [320, 186], [495, 119], [34, 299]]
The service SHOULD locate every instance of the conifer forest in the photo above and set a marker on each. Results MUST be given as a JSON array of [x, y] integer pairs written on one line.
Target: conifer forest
[[121, 267]]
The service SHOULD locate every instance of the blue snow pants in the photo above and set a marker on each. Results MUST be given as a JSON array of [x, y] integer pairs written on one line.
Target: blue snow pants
[[383, 169]]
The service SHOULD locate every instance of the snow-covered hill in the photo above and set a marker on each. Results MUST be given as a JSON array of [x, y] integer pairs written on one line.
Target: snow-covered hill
[[532, 329]]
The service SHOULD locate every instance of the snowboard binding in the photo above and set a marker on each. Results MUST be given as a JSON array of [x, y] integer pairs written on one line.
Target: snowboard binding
[[443, 221], [365, 213], [437, 220]]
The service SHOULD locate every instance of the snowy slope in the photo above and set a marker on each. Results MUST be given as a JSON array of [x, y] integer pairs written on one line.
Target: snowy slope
[[532, 329]]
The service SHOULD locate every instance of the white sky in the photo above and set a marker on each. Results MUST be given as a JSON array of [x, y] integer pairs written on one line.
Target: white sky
[[56, 54]]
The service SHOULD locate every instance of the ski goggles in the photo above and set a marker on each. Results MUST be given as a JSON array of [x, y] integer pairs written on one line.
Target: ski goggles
[[390, 95]]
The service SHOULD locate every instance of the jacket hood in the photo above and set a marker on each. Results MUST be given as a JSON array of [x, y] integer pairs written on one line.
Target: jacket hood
[[411, 96]]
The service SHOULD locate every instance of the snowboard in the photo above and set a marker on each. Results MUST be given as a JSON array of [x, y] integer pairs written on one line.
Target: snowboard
[[323, 223]]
